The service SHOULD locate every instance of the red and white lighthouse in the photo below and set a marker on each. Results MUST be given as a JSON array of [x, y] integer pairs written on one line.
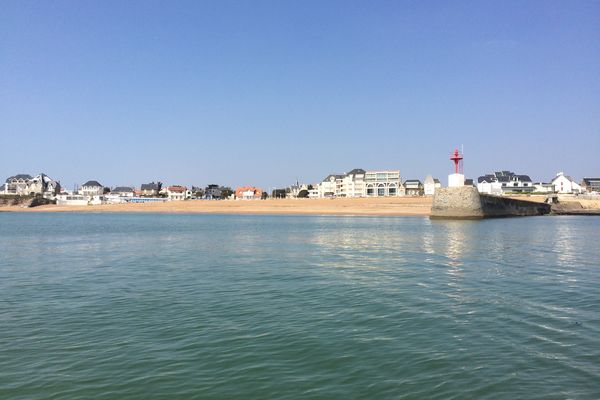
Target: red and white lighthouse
[[457, 179]]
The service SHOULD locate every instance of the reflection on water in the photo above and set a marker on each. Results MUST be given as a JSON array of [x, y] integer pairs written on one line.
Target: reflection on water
[[143, 306]]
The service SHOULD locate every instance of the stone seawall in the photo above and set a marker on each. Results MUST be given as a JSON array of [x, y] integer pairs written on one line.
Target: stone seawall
[[466, 203]]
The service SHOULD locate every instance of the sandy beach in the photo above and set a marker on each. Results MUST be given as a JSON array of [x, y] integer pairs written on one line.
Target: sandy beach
[[392, 206]]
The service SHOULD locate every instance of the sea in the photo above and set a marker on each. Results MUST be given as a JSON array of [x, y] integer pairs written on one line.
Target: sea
[[144, 306]]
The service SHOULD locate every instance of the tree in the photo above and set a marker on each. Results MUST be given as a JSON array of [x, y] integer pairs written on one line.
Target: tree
[[264, 195], [303, 194], [226, 191], [279, 193]]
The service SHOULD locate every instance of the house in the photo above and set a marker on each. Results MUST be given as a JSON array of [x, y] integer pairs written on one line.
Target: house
[[565, 184], [383, 184], [178, 192], [413, 187], [123, 191], [212, 192], [502, 182], [591, 185], [26, 185], [542, 187], [361, 183], [248, 193], [17, 185], [469, 182], [91, 188], [150, 189], [430, 185]]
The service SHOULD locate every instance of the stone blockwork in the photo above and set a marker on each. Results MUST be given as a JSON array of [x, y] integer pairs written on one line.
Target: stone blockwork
[[467, 203]]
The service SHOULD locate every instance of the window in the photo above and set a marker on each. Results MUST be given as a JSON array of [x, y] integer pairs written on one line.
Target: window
[[380, 190], [392, 191]]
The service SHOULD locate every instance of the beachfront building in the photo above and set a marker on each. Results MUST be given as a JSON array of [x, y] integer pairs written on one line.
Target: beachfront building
[[213, 192], [248, 193], [91, 188], [542, 187], [123, 191], [17, 185], [565, 184], [430, 185], [150, 189], [591, 185], [178, 193], [361, 183], [383, 184], [413, 187], [26, 185], [502, 182]]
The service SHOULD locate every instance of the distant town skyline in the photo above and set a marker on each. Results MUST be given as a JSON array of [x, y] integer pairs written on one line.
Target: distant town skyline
[[267, 93]]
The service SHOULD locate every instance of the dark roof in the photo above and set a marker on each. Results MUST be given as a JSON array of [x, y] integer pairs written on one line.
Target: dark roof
[[524, 178], [19, 176], [334, 175], [468, 182], [436, 180], [503, 176], [149, 186], [120, 189], [92, 183], [412, 181], [356, 171], [588, 180]]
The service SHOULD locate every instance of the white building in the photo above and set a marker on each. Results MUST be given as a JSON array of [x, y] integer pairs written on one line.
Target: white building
[[361, 183], [26, 185], [503, 182], [177, 193], [565, 184], [91, 188], [413, 187], [430, 185], [541, 187]]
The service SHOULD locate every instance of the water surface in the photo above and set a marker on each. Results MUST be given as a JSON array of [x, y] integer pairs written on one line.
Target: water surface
[[102, 306]]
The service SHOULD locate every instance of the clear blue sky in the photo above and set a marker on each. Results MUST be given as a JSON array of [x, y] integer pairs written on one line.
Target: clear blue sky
[[267, 92]]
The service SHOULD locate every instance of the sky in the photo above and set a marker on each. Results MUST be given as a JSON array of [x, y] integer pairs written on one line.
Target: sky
[[265, 93]]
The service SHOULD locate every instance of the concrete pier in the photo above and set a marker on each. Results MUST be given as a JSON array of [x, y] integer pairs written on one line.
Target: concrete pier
[[467, 203]]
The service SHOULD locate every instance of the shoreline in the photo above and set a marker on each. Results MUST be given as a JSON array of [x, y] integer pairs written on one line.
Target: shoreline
[[390, 206]]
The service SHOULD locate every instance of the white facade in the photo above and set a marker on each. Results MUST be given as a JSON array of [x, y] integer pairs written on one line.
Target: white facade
[[456, 180], [360, 183], [25, 185], [565, 184], [430, 185], [178, 193], [502, 182], [383, 184], [541, 187], [91, 188]]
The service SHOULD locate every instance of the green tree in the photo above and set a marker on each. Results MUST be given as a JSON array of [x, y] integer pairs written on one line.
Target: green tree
[[303, 194]]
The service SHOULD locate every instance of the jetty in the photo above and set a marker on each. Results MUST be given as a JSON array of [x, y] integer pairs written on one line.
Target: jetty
[[467, 203]]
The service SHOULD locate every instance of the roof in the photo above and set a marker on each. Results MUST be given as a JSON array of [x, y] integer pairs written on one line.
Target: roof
[[409, 181], [503, 176], [149, 186], [468, 182], [336, 176], [19, 176], [356, 171], [92, 183], [588, 180], [120, 189], [177, 189], [436, 180]]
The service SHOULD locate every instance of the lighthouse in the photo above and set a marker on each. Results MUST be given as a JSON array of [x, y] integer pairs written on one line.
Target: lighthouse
[[457, 179]]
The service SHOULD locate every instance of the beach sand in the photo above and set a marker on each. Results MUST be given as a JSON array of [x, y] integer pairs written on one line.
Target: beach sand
[[392, 206]]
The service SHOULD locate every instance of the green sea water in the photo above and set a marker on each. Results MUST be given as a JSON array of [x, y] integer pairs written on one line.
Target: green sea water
[[100, 306]]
